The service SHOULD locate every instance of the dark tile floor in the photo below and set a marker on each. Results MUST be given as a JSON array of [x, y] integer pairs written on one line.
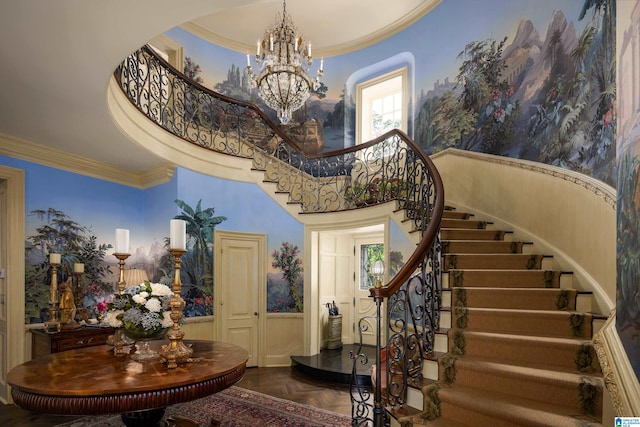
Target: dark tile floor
[[337, 365]]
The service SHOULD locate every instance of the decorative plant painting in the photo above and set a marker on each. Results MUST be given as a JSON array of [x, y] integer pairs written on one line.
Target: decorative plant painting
[[58, 233], [288, 298], [61, 234], [196, 269]]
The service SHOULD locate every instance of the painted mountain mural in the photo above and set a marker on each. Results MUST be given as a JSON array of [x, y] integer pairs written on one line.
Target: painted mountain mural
[[547, 99]]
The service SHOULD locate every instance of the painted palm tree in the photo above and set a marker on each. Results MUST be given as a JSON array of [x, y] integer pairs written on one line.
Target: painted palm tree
[[200, 224]]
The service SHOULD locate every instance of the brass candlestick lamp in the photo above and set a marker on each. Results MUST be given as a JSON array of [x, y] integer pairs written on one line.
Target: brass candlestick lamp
[[176, 352], [122, 253], [81, 312], [121, 282], [53, 324]]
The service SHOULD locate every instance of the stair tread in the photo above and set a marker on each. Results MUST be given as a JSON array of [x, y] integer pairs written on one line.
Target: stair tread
[[532, 371], [516, 311], [545, 352], [515, 408], [525, 290], [526, 339]]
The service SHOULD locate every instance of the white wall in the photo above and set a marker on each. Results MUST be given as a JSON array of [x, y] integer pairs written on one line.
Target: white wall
[[566, 214]]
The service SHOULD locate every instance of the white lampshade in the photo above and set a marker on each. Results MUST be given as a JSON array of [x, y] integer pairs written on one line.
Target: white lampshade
[[135, 276]]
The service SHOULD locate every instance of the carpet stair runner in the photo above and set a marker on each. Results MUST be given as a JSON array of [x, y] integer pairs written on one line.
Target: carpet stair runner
[[519, 354]]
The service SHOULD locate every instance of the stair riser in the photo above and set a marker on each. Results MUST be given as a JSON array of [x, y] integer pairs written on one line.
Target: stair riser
[[548, 391], [461, 234], [463, 224], [492, 262], [481, 247], [455, 413], [513, 299], [441, 343], [504, 279], [456, 215], [524, 323], [463, 414], [518, 352]]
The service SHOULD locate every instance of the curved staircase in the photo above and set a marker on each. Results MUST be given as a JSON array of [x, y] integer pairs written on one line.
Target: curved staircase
[[519, 349]]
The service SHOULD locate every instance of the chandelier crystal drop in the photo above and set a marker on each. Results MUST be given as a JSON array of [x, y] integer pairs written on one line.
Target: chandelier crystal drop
[[284, 59]]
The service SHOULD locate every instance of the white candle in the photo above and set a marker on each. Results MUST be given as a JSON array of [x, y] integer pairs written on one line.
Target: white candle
[[54, 258], [248, 61], [271, 42], [258, 51], [321, 64], [178, 234], [309, 48], [78, 267], [122, 241], [295, 46]]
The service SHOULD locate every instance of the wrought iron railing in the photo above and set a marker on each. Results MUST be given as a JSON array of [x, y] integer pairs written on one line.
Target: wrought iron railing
[[391, 168]]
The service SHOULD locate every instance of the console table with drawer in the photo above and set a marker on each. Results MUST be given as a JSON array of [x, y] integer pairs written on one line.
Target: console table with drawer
[[43, 343]]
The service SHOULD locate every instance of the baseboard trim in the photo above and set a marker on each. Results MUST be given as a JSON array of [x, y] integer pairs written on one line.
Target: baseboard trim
[[620, 378]]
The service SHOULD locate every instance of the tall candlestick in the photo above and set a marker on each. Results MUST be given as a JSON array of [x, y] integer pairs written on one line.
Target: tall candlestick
[[122, 241], [78, 267], [178, 236], [54, 258], [176, 352]]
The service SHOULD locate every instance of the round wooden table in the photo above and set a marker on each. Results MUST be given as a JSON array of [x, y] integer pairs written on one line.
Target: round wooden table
[[92, 381]]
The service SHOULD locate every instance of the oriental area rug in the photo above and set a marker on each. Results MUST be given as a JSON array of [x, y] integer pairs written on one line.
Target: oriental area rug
[[234, 407]]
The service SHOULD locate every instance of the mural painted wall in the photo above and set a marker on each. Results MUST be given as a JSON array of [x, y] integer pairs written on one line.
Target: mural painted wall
[[628, 208], [526, 79], [76, 216], [248, 209], [530, 80]]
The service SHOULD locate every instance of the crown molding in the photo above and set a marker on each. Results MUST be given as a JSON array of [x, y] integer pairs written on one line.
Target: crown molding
[[25, 150]]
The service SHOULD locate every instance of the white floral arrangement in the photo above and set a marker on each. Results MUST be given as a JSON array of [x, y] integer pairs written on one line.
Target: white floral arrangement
[[142, 309]]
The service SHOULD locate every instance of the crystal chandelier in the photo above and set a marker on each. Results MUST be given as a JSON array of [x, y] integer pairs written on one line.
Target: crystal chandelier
[[284, 59]]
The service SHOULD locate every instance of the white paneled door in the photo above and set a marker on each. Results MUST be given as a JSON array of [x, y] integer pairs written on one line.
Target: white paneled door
[[239, 278]]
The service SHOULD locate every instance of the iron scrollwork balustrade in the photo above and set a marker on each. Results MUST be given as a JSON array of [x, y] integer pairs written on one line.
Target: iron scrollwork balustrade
[[362, 398], [390, 168]]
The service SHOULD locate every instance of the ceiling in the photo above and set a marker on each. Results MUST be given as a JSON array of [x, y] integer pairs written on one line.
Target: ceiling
[[58, 57]]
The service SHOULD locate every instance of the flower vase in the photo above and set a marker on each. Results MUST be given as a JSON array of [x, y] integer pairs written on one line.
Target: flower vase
[[142, 337]]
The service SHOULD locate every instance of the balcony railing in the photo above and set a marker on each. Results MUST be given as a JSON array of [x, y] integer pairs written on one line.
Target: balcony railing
[[391, 168]]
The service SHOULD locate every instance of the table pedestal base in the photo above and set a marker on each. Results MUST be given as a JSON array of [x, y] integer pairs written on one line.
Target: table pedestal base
[[148, 418]]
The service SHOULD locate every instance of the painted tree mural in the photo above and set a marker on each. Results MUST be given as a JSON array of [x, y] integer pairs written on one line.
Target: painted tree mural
[[58, 233], [286, 260], [550, 100], [196, 268]]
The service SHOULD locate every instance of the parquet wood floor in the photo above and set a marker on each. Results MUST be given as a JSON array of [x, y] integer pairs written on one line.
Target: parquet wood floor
[[285, 383]]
